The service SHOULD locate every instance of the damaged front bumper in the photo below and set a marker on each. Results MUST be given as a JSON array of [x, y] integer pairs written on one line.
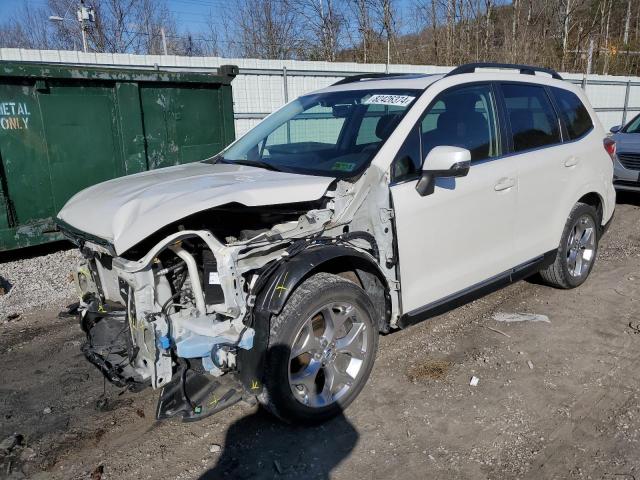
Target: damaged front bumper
[[174, 319]]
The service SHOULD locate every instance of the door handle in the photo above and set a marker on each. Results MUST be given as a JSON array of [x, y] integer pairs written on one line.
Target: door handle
[[571, 161], [504, 184]]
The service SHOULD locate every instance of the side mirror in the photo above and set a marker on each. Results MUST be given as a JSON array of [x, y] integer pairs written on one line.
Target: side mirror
[[443, 161], [615, 129]]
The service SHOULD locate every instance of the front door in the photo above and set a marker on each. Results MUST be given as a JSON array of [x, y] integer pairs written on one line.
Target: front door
[[461, 234]]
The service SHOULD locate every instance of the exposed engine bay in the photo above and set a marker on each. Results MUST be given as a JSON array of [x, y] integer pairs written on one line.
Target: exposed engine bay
[[187, 309]]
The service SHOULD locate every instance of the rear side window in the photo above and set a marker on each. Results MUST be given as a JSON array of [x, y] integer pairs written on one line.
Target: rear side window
[[533, 121], [575, 116]]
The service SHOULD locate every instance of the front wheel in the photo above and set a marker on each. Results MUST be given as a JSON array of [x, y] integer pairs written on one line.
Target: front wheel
[[577, 251], [321, 350]]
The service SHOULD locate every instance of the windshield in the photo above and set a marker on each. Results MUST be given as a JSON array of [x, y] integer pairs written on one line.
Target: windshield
[[330, 134], [633, 126]]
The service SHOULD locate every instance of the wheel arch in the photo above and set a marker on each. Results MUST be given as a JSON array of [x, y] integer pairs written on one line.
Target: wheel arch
[[590, 194], [596, 201], [347, 262]]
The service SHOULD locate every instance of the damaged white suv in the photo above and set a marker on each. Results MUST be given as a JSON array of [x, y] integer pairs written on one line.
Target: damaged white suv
[[269, 270]]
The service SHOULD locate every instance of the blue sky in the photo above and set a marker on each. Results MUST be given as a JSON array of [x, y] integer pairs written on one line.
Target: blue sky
[[190, 14]]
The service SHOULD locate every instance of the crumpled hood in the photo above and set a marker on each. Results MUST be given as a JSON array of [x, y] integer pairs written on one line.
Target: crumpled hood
[[126, 210]]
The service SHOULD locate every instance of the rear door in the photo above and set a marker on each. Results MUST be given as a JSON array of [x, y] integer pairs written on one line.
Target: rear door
[[542, 165], [462, 234]]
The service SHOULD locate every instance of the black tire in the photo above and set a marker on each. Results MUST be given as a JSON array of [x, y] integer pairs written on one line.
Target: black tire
[[558, 273], [314, 293]]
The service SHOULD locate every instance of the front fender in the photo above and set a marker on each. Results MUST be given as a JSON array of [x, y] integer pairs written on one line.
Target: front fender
[[270, 300], [291, 273]]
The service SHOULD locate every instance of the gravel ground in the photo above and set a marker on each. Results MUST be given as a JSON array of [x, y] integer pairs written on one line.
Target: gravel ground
[[42, 281]]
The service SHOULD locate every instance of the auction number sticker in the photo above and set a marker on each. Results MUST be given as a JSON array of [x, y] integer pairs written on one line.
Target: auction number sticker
[[397, 100]]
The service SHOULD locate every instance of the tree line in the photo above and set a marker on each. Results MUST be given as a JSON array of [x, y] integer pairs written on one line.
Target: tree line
[[568, 35]]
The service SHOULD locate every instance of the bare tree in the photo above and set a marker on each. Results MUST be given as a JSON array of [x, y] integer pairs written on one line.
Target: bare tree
[[384, 16], [364, 26], [627, 23], [325, 22], [265, 29], [29, 27]]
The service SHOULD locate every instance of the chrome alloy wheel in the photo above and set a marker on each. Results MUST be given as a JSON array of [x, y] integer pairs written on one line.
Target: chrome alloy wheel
[[581, 246], [327, 354]]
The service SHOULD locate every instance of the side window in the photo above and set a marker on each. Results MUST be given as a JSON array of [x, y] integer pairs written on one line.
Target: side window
[[408, 161], [573, 113], [463, 117], [533, 121]]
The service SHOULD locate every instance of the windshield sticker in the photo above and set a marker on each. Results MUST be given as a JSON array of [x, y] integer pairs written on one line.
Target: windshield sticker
[[343, 166], [397, 100]]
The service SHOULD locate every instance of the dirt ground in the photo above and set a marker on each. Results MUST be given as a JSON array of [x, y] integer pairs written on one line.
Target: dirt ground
[[574, 414]]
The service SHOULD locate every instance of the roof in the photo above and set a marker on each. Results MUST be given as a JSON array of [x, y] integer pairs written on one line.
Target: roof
[[410, 82]]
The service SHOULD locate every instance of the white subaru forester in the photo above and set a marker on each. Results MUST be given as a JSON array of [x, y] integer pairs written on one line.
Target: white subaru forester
[[267, 271]]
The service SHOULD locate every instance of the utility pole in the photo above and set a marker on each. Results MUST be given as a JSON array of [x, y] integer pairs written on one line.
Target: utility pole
[[85, 14], [164, 40], [565, 32], [589, 64]]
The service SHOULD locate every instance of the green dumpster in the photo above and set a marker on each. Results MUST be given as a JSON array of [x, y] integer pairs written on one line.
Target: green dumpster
[[64, 128]]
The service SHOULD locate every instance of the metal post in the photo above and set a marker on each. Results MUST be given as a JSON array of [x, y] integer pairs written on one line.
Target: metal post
[[84, 36], [589, 64], [388, 53], [164, 40], [626, 102], [285, 85]]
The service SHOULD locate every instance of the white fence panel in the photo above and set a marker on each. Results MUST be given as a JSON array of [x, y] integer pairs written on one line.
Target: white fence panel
[[265, 85]]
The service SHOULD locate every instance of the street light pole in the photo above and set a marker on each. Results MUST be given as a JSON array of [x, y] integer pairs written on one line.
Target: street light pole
[[84, 15]]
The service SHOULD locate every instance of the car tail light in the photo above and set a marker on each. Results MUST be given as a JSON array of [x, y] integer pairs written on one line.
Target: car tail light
[[610, 147]]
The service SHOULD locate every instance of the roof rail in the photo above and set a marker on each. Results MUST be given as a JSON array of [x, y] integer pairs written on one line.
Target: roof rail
[[524, 69], [365, 76]]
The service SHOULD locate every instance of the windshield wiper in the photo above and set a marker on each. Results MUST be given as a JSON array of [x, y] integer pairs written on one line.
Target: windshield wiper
[[251, 163]]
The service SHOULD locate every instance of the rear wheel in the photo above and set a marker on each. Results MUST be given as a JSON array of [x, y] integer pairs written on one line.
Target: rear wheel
[[577, 251], [321, 350]]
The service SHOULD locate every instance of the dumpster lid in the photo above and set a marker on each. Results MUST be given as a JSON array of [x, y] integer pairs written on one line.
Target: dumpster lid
[[37, 70]]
